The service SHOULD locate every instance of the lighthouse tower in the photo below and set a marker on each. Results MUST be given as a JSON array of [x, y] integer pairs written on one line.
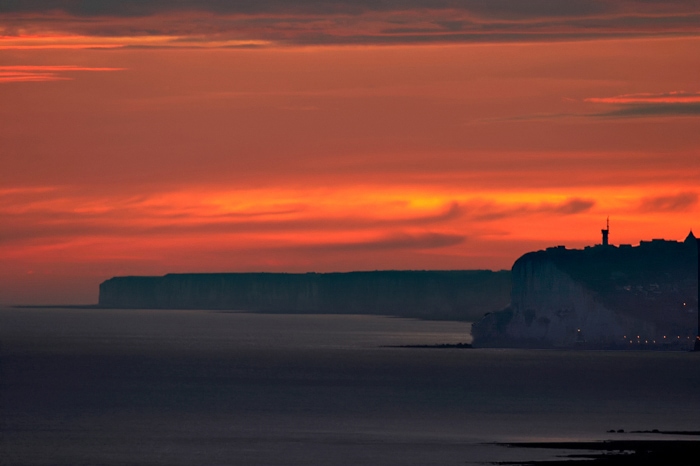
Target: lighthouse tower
[[606, 231]]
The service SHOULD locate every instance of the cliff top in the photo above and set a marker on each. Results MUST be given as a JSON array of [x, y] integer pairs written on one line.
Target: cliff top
[[604, 268], [639, 280]]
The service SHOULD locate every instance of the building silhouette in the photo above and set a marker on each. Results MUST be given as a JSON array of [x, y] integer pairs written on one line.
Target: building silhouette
[[606, 232]]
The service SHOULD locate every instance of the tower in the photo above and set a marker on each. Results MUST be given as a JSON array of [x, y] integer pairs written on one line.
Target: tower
[[606, 231]]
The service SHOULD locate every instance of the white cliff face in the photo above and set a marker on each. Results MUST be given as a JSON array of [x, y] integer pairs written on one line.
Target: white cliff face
[[549, 309]]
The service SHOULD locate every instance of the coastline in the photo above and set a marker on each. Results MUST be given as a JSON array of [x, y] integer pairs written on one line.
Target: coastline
[[630, 452]]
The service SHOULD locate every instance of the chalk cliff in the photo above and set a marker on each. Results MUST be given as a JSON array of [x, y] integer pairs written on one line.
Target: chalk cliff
[[451, 295], [600, 297]]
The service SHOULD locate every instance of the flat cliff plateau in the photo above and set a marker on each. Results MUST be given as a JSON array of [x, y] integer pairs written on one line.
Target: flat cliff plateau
[[463, 295], [602, 297]]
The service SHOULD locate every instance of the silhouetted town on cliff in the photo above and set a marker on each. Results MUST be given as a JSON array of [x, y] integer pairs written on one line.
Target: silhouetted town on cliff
[[604, 297]]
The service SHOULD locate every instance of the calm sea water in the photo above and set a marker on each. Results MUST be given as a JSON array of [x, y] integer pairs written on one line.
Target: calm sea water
[[200, 387]]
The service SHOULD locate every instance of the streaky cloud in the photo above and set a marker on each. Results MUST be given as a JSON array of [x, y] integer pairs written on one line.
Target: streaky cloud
[[43, 73], [680, 202], [29, 68], [572, 206], [674, 97], [507, 9], [647, 104], [676, 103], [6, 77], [221, 24], [652, 110]]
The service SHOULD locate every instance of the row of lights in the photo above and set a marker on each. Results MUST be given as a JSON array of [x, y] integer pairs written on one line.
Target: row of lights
[[653, 341]]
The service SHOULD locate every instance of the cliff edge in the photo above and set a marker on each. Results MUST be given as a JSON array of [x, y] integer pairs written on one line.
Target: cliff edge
[[604, 297]]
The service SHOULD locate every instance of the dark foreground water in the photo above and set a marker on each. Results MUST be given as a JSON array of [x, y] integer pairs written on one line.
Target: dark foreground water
[[200, 387]]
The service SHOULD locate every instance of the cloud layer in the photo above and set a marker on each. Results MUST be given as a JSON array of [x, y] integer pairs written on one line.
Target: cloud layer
[[676, 103], [254, 23], [681, 202], [43, 73], [505, 9]]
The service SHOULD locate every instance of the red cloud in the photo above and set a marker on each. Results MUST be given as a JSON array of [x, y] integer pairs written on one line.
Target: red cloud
[[232, 24], [40, 73], [675, 97]]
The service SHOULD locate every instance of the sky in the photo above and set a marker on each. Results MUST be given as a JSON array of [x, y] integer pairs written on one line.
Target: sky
[[152, 137]]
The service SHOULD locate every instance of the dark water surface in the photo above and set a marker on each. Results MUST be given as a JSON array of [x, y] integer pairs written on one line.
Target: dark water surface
[[149, 387]]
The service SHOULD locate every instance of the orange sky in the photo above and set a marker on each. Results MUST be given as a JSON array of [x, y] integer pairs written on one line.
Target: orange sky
[[314, 140]]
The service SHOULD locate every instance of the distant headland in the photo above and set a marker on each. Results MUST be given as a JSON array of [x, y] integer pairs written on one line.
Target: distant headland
[[603, 297], [463, 295]]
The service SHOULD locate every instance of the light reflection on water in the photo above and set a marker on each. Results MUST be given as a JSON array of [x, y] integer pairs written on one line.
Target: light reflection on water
[[186, 387]]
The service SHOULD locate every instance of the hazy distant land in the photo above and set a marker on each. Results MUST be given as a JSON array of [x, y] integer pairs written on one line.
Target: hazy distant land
[[460, 295]]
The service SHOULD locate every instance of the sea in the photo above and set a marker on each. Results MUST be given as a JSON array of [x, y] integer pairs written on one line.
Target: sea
[[200, 387]]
